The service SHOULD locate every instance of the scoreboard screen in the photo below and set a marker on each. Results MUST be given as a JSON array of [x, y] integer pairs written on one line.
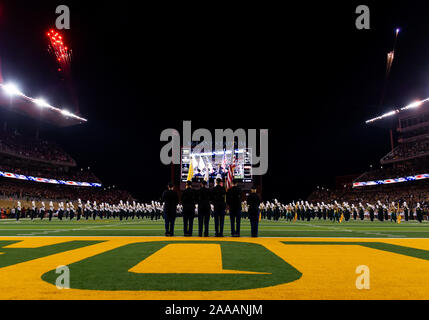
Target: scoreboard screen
[[216, 164]]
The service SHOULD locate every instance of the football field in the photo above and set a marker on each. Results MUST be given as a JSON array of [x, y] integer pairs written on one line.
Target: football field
[[112, 259]]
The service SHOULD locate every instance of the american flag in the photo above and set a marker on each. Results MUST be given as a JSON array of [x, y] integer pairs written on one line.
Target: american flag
[[230, 175]]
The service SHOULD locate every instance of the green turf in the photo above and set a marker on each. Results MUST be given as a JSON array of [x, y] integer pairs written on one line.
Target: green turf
[[11, 256], [315, 228], [394, 248], [91, 273]]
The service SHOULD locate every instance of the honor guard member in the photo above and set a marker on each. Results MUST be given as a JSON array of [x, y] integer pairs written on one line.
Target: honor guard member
[[406, 211], [253, 202], [60, 210], [51, 210], [233, 200], [188, 204], [419, 213], [18, 211], [33, 210], [219, 207], [203, 198], [79, 209], [170, 199]]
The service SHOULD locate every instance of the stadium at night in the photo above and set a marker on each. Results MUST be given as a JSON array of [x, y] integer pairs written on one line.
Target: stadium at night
[[315, 188]]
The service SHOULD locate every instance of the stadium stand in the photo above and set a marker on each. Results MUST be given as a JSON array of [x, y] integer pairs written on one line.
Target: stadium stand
[[16, 145], [410, 158], [22, 154]]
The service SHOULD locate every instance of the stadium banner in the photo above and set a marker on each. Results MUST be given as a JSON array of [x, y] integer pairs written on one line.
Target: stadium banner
[[391, 181], [47, 180]]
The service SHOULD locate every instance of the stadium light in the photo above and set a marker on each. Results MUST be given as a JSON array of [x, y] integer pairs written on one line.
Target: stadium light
[[66, 113], [41, 103], [413, 105], [12, 90]]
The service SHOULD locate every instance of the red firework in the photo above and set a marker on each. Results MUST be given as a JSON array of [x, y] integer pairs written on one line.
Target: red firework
[[59, 49]]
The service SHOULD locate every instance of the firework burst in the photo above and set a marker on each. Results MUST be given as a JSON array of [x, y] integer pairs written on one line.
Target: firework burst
[[58, 48]]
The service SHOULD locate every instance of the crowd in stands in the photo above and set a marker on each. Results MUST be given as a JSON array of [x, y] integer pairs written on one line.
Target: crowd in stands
[[408, 150], [393, 172], [410, 192], [72, 174], [26, 190], [31, 148]]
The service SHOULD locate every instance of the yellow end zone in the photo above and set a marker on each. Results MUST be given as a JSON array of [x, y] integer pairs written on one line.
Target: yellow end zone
[[329, 271]]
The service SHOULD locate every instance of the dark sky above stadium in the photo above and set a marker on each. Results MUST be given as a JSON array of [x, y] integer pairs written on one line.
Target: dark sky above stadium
[[303, 71]]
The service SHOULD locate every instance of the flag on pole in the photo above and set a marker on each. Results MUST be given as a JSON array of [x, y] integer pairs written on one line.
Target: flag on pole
[[230, 176], [399, 215], [206, 176], [190, 171]]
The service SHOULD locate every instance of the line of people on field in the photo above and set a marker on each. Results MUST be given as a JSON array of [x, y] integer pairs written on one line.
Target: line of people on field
[[337, 212], [205, 201], [88, 210]]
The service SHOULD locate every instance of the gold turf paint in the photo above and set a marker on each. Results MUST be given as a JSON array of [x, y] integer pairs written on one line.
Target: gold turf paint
[[328, 271]]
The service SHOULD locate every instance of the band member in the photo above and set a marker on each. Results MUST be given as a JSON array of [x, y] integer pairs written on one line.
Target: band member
[[42, 211], [371, 211], [51, 210], [88, 209], [18, 211], [79, 209], [170, 199], [72, 212], [419, 213], [33, 210], [361, 212], [406, 211], [60, 210]]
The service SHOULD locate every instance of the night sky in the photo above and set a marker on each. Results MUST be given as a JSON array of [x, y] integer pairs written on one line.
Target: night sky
[[302, 71]]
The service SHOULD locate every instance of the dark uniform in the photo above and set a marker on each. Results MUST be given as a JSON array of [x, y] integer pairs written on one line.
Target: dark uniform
[[203, 211], [253, 202], [170, 199], [233, 199], [218, 200], [188, 203]]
